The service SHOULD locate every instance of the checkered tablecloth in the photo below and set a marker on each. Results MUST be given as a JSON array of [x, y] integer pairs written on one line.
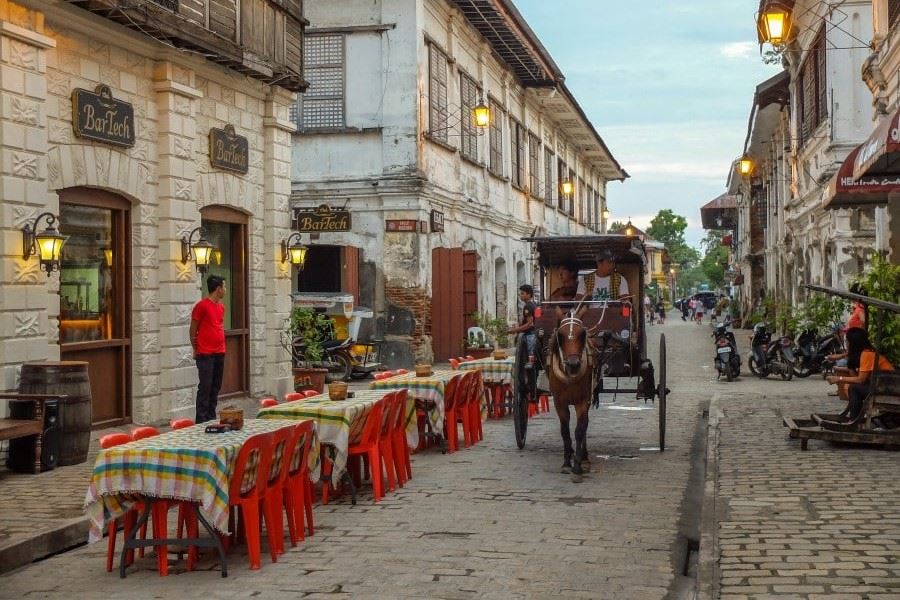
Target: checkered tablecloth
[[340, 423], [185, 464], [492, 371], [428, 388]]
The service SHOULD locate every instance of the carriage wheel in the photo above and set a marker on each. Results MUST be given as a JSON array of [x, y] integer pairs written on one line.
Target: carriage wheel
[[661, 392], [520, 414]]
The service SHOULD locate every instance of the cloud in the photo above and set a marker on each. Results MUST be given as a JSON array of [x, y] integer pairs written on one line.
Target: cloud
[[738, 50]]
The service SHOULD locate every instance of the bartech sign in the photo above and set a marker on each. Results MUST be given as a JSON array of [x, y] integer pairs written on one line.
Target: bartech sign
[[228, 150], [98, 116], [321, 219]]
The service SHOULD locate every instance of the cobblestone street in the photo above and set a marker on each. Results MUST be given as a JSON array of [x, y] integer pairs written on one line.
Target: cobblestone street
[[496, 522]]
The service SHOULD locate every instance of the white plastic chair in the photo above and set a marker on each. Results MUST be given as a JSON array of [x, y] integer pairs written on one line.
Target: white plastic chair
[[478, 333]]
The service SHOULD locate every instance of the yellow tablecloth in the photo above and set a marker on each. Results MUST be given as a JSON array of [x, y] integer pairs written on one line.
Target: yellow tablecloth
[[492, 371], [185, 464], [341, 422]]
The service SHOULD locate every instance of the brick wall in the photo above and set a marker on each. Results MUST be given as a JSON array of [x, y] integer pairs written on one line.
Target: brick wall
[[417, 302]]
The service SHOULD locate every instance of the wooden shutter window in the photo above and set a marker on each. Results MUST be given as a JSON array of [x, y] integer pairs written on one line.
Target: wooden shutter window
[[437, 94], [496, 140], [561, 174], [469, 93], [534, 167], [549, 188]]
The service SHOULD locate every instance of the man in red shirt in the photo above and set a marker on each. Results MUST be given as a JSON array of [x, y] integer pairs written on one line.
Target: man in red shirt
[[208, 341]]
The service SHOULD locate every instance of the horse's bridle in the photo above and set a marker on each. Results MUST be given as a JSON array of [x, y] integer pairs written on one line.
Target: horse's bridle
[[571, 320]]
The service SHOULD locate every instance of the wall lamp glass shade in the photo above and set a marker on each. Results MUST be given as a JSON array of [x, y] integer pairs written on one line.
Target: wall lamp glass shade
[[745, 166], [108, 256], [201, 250], [566, 187], [47, 244], [293, 251], [605, 214], [481, 115], [774, 23]]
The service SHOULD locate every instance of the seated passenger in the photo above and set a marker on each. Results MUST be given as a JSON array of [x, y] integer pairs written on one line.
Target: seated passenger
[[568, 277], [861, 363]]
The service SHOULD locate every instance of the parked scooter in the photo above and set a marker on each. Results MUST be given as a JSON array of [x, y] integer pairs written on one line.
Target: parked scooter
[[727, 360], [771, 358], [813, 350]]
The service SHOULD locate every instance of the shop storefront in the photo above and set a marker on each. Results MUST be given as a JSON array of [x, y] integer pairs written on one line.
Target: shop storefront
[[132, 147]]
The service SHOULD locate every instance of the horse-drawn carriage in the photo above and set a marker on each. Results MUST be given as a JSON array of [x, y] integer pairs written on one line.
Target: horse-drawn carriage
[[587, 337]]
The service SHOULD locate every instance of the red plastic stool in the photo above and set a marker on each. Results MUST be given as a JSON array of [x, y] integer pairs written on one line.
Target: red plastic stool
[[268, 402], [293, 396], [544, 402]]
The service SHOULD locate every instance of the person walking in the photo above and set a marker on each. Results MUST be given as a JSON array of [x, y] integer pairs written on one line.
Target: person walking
[[208, 340], [661, 311]]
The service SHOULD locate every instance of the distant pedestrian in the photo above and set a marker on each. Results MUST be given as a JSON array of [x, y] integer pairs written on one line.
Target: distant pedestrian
[[207, 335], [661, 311]]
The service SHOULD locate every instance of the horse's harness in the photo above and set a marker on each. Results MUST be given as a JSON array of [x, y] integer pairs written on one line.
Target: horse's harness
[[571, 321]]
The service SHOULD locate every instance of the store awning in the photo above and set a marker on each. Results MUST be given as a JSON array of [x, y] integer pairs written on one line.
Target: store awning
[[880, 154], [720, 213], [845, 192]]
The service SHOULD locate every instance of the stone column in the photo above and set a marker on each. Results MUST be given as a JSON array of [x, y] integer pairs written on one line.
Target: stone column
[[277, 128], [28, 297], [179, 284]]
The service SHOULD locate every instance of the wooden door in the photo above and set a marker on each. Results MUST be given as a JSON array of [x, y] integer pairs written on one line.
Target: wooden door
[[470, 287], [350, 272], [226, 229], [447, 322], [95, 296]]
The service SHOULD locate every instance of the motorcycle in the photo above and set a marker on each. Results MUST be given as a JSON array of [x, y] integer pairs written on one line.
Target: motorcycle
[[813, 351], [727, 360], [771, 358]]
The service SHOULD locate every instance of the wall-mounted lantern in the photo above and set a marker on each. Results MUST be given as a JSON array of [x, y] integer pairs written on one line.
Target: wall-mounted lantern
[[566, 187], [47, 244], [481, 115], [746, 166], [201, 250], [605, 214], [108, 256], [293, 251], [774, 23]]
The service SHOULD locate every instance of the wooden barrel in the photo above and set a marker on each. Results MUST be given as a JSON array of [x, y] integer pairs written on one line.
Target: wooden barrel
[[70, 378]]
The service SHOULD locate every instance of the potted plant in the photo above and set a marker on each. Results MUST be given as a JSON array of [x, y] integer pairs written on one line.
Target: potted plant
[[305, 332], [497, 337], [477, 343]]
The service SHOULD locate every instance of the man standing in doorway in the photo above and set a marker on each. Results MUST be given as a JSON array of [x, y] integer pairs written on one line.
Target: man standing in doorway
[[208, 341]]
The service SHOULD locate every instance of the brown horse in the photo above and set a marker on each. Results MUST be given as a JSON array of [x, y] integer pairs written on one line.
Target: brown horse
[[570, 371]]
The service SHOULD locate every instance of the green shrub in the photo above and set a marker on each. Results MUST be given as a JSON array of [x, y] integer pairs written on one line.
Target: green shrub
[[881, 280]]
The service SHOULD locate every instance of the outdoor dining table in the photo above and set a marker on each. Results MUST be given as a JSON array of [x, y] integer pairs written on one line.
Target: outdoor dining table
[[185, 464], [429, 389], [495, 374], [340, 422]]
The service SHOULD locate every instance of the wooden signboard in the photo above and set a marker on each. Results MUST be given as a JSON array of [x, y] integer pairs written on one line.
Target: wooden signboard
[[322, 219], [437, 221], [228, 151], [402, 225], [100, 117]]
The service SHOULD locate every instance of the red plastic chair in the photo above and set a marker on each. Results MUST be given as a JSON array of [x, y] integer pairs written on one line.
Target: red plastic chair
[[392, 412], [469, 357], [284, 443], [454, 363], [451, 397], [144, 432], [464, 405], [310, 393], [402, 464], [247, 489], [544, 401], [268, 402], [181, 423], [367, 446], [298, 487], [476, 392], [130, 517], [402, 371]]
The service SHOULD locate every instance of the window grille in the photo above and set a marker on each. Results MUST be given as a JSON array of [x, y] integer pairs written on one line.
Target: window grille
[[322, 105], [582, 201], [573, 195], [469, 93], [893, 12], [517, 152], [496, 140], [438, 115], [589, 207], [549, 187], [598, 214], [168, 4], [534, 166]]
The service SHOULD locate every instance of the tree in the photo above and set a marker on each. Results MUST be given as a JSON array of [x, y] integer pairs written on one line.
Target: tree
[[616, 226], [668, 228]]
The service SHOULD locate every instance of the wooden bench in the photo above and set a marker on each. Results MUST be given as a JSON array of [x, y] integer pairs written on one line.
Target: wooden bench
[[11, 429]]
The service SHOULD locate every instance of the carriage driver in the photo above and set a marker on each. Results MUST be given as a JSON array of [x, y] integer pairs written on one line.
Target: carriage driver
[[526, 324], [605, 283]]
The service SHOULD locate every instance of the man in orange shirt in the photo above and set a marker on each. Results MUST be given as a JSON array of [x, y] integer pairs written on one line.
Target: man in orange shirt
[[861, 361], [208, 340]]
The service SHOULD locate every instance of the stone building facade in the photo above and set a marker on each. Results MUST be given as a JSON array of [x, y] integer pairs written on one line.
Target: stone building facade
[[439, 208], [126, 208]]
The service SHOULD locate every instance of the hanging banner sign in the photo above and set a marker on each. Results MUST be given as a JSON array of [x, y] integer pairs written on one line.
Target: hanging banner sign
[[100, 117], [228, 150], [322, 219]]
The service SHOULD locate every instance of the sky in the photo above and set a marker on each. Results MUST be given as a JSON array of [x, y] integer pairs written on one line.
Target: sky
[[668, 84]]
